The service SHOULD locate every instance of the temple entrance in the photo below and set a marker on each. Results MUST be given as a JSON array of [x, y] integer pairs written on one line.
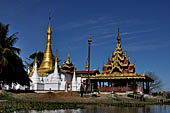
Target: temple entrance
[[120, 85]]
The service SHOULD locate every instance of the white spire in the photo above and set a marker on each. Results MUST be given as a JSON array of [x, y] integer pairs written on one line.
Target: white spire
[[35, 74], [56, 68], [56, 74], [74, 82], [28, 70], [74, 76]]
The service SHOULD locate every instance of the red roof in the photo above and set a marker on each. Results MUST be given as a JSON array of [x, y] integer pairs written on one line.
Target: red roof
[[126, 71], [86, 72], [126, 61], [109, 62], [130, 67], [104, 68]]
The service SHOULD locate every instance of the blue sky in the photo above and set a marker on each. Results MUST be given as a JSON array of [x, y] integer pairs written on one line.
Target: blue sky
[[144, 28]]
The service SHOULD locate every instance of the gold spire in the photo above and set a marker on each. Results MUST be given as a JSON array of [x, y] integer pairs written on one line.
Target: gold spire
[[68, 58], [118, 36], [118, 39], [108, 58], [47, 63], [118, 49], [49, 31], [56, 58], [74, 69], [35, 61], [33, 68], [87, 66]]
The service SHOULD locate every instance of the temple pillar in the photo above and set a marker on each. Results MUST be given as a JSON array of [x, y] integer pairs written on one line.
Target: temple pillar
[[112, 84], [148, 87], [99, 84], [127, 85], [141, 86]]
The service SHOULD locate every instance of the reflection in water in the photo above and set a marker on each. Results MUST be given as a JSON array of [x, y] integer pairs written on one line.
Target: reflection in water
[[109, 109]]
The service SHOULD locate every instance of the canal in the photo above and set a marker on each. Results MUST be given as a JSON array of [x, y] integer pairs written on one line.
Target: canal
[[109, 109]]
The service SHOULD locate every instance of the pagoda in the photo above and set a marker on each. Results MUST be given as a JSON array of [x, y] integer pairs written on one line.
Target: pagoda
[[119, 64], [119, 75], [50, 77], [68, 66], [47, 64]]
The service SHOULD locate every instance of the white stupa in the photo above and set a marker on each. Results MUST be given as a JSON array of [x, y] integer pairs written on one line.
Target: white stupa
[[54, 79], [74, 82], [36, 83]]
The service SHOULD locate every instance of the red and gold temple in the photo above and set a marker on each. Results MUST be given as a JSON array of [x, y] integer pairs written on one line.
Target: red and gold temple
[[118, 75]]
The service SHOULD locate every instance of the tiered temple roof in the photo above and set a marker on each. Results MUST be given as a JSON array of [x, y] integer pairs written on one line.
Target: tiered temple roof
[[68, 66], [119, 63]]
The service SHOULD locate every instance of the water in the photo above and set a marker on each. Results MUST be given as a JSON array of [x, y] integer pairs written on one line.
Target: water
[[109, 109]]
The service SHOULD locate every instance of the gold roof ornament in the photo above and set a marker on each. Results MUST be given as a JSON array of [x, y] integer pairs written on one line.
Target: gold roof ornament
[[28, 69], [47, 63], [49, 31], [87, 66], [118, 49], [56, 58], [33, 68], [74, 69], [118, 64], [67, 67], [118, 36], [68, 58]]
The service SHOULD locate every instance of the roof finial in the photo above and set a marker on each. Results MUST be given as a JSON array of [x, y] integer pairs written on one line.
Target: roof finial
[[35, 59], [49, 16], [87, 65], [56, 58], [118, 30], [49, 27], [118, 40], [68, 57], [118, 35]]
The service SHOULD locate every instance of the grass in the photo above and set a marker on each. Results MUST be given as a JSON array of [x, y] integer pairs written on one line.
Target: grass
[[12, 104], [52, 101], [6, 96], [16, 106]]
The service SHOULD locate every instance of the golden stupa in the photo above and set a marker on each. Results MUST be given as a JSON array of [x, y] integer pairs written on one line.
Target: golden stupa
[[47, 64]]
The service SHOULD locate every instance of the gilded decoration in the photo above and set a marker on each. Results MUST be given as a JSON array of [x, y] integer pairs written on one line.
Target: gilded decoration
[[47, 64], [118, 65], [67, 67]]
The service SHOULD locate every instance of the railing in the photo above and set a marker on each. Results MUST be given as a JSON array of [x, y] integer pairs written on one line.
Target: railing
[[117, 89]]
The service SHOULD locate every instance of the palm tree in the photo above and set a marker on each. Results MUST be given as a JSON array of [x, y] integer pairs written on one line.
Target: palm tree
[[39, 55], [11, 65]]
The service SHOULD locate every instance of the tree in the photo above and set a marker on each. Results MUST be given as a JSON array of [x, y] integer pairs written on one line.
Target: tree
[[12, 70], [39, 55], [157, 84]]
